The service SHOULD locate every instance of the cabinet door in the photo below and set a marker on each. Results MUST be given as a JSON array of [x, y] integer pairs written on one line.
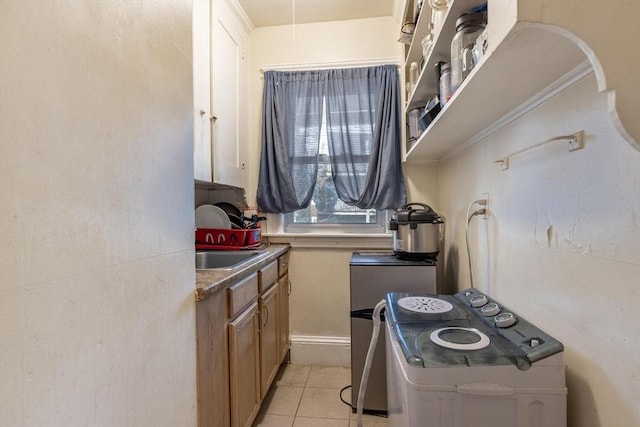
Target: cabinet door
[[228, 96], [212, 363], [269, 351], [244, 367], [283, 309], [202, 91]]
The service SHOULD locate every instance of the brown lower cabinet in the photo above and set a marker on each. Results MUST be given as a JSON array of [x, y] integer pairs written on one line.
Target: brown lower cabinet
[[269, 351], [213, 361], [244, 367], [283, 331], [243, 337]]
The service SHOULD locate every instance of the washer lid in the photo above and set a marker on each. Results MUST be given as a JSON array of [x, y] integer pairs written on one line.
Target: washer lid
[[456, 342], [459, 338]]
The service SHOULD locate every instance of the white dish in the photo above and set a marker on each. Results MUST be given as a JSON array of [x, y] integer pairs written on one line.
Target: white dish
[[210, 216]]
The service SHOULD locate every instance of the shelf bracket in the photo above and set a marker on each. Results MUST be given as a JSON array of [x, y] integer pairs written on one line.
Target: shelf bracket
[[576, 142]]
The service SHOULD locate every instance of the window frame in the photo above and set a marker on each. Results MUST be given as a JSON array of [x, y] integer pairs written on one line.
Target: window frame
[[379, 227]]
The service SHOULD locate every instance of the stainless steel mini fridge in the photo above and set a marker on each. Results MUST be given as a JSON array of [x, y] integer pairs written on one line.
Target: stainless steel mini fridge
[[373, 275]]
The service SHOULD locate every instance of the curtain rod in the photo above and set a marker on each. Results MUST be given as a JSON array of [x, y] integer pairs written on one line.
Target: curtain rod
[[331, 64]]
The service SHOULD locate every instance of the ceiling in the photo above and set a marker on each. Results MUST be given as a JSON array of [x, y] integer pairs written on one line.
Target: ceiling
[[264, 13]]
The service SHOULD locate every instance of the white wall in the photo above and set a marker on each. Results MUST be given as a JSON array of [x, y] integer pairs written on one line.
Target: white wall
[[320, 276], [562, 245], [96, 217]]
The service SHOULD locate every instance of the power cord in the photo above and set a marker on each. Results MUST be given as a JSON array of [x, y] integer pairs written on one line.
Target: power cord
[[352, 408], [344, 401], [470, 215]]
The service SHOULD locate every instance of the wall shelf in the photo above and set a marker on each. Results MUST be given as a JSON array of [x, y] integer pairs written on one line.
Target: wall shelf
[[528, 61], [441, 52], [532, 46]]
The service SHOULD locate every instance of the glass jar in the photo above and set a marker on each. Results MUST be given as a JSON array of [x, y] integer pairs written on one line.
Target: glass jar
[[414, 73], [439, 10], [468, 28], [445, 84], [427, 45], [414, 124]]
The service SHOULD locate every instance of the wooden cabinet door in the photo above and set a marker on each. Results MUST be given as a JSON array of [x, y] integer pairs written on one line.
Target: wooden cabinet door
[[244, 367], [213, 366], [283, 309], [269, 351]]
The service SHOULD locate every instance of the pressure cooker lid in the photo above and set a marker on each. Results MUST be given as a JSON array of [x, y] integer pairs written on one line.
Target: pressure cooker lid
[[417, 212]]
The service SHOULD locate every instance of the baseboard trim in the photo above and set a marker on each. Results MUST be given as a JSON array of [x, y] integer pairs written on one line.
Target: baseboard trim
[[320, 350]]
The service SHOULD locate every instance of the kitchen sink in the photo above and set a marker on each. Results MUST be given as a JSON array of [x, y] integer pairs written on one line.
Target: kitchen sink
[[224, 259]]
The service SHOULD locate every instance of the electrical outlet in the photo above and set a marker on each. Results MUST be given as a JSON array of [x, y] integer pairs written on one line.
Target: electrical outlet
[[577, 141], [485, 197]]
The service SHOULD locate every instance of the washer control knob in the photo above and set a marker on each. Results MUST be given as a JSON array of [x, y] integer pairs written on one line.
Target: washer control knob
[[479, 301], [490, 309], [504, 320]]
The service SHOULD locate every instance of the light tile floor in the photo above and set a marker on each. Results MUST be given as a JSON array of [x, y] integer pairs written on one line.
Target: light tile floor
[[309, 396]]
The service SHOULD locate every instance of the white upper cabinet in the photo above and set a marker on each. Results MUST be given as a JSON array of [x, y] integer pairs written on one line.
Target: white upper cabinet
[[202, 91], [220, 82], [535, 49]]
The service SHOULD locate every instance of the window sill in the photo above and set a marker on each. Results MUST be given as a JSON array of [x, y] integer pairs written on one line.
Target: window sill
[[347, 241]]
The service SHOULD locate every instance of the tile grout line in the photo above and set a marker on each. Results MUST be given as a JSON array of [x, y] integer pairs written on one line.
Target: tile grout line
[[304, 387]]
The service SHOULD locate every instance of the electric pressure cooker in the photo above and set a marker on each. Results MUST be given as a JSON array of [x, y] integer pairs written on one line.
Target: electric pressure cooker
[[417, 230]]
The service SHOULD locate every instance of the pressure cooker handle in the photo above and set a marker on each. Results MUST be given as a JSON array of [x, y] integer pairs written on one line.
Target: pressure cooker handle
[[424, 206]]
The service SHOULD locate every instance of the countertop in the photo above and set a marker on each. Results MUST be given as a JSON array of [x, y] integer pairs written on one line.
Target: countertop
[[209, 282]]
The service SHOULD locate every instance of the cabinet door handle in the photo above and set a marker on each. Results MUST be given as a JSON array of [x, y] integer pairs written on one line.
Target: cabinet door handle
[[266, 320], [202, 113], [259, 313]]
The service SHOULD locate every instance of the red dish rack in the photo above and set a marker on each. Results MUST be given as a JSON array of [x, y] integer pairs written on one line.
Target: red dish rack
[[228, 240]]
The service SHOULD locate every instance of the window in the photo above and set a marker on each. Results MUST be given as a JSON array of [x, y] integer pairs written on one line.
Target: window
[[330, 156], [326, 212]]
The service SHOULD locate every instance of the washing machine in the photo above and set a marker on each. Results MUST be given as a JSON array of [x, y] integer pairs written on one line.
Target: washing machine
[[466, 360]]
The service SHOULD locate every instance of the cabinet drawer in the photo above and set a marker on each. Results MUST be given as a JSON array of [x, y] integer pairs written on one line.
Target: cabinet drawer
[[242, 293], [283, 264], [267, 276]]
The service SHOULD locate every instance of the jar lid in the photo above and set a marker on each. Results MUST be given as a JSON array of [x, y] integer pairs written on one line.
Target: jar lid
[[470, 19]]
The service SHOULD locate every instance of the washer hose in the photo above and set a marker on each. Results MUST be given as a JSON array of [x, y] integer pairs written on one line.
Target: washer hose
[[369, 360]]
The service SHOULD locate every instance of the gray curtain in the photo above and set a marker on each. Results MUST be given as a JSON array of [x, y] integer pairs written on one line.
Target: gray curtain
[[292, 115], [363, 130], [363, 133]]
